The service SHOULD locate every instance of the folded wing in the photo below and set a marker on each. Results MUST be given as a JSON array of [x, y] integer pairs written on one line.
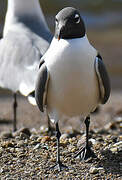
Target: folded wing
[[103, 79]]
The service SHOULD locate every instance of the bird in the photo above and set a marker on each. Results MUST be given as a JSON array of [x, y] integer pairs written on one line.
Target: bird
[[72, 80], [26, 37]]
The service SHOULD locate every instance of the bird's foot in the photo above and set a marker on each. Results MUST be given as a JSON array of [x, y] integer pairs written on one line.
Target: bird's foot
[[85, 153], [59, 166]]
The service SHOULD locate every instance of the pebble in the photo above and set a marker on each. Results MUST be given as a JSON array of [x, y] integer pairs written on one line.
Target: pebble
[[114, 149], [93, 170], [20, 143], [63, 141], [7, 144], [40, 138], [72, 140], [93, 141], [63, 136], [81, 141], [38, 146], [72, 148], [33, 137], [30, 158], [33, 131], [118, 144], [45, 138], [43, 129], [118, 119]]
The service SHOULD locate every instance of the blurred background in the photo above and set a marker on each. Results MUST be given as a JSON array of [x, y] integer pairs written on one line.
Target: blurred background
[[103, 20]]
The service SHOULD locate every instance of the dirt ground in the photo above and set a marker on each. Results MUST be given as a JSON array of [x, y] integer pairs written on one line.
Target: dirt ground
[[29, 116], [28, 155]]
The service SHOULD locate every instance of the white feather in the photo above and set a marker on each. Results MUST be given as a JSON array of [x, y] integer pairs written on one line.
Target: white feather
[[73, 86], [18, 8]]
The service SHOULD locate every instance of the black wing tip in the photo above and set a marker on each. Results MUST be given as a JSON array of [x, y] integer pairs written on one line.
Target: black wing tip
[[41, 62], [32, 94]]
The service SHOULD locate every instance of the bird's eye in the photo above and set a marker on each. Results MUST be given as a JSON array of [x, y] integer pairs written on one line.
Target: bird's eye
[[77, 18]]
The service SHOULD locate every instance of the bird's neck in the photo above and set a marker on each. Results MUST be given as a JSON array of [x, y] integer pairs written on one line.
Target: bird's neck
[[20, 7], [17, 9]]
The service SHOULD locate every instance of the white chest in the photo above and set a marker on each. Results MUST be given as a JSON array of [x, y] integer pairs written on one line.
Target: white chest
[[73, 88]]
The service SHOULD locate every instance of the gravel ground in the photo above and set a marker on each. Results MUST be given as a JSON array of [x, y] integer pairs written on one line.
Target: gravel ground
[[30, 152]]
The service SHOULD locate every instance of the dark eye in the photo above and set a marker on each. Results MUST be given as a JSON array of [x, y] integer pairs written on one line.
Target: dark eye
[[77, 18]]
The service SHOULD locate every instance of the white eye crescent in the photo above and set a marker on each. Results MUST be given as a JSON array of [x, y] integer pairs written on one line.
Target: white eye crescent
[[77, 18]]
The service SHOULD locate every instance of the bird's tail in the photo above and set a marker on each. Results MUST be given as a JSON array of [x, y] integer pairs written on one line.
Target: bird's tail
[[31, 98]]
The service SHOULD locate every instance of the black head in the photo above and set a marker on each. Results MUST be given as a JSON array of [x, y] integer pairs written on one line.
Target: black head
[[69, 24]]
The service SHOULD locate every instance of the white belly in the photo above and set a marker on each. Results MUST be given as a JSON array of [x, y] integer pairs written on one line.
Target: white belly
[[73, 86]]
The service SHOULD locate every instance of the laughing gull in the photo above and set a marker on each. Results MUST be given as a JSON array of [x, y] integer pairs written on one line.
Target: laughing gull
[[72, 80], [26, 37]]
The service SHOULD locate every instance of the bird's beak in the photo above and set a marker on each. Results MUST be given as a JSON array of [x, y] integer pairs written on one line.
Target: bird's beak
[[59, 35]]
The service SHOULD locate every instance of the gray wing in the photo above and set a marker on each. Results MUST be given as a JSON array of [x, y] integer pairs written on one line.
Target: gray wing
[[41, 87], [20, 53], [103, 79]]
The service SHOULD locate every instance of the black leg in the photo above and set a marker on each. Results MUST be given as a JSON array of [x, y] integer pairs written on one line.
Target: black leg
[[59, 164], [15, 112], [86, 151]]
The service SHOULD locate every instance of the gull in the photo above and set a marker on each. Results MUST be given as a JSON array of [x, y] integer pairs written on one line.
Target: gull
[[72, 80], [26, 38]]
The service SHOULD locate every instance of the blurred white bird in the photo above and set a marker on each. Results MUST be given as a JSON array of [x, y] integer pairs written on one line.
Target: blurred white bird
[[26, 37]]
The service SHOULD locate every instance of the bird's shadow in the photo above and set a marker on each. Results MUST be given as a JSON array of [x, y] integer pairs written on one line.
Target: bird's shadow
[[111, 162], [5, 121]]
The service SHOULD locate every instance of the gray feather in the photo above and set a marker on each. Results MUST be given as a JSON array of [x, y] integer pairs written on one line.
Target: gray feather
[[41, 87], [20, 53], [103, 79]]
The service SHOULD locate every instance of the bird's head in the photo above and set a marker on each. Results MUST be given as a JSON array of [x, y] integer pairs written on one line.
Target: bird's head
[[69, 24]]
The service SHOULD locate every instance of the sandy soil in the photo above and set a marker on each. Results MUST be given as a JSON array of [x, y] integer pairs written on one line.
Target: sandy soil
[[29, 154], [29, 116]]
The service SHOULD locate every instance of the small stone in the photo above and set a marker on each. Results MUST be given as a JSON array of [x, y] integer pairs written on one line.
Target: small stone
[[114, 149], [101, 169], [72, 149], [118, 144], [63, 142], [118, 119], [7, 144], [33, 137], [43, 129], [37, 146], [71, 171], [63, 136], [45, 138], [20, 143], [39, 139], [72, 140], [93, 141], [33, 131], [81, 141], [93, 170]]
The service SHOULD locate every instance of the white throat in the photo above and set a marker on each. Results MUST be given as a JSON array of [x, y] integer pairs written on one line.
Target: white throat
[[19, 8]]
